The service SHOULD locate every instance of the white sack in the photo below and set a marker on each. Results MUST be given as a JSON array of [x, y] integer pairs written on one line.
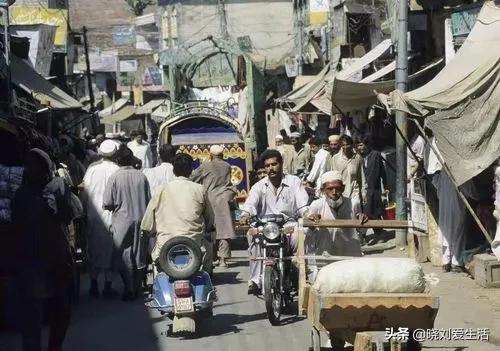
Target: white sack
[[371, 275]]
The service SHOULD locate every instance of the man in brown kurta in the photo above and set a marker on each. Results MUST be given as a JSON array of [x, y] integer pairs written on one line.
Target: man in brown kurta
[[216, 179]]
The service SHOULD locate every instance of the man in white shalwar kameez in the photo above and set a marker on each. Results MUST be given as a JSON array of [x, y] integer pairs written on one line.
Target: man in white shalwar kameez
[[99, 238], [333, 205], [164, 172], [141, 149], [321, 160]]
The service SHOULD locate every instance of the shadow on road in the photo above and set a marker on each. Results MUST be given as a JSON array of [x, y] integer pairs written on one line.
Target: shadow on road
[[238, 263], [291, 320], [226, 278], [225, 323]]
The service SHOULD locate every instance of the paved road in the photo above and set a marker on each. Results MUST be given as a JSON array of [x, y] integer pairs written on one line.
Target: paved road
[[239, 323]]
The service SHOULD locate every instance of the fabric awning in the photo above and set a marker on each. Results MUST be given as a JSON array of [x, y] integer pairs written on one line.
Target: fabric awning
[[368, 58], [161, 113], [317, 90], [461, 104], [121, 115], [26, 78], [353, 96], [117, 105], [149, 107]]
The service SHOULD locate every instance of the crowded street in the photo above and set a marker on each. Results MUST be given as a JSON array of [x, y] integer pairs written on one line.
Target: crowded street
[[315, 175], [240, 321]]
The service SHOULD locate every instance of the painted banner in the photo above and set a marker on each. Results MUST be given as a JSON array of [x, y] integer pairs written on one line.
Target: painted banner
[[152, 76], [234, 154], [39, 15]]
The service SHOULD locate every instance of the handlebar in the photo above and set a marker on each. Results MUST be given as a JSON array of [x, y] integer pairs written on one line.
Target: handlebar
[[255, 220]]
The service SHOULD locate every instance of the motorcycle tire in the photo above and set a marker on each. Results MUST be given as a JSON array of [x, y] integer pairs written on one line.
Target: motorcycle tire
[[272, 295], [185, 272]]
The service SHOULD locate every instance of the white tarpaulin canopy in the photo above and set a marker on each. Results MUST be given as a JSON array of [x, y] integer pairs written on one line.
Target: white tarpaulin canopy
[[317, 90], [461, 105], [350, 96], [25, 77]]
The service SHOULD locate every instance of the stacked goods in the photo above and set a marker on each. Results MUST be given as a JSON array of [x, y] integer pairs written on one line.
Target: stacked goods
[[11, 179], [371, 275]]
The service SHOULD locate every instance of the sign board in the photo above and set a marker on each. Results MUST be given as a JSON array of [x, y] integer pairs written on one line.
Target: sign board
[[152, 76], [318, 12], [38, 15], [463, 21], [41, 39], [128, 66], [124, 35], [418, 205]]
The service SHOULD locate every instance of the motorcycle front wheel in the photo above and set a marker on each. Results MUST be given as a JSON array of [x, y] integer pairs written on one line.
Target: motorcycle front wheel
[[272, 294]]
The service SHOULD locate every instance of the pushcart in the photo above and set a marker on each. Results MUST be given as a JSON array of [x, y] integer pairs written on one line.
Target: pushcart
[[349, 316]]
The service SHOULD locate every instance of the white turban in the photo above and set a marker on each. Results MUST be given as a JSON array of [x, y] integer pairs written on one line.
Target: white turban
[[108, 148], [333, 138], [278, 138], [295, 135], [216, 150], [331, 176]]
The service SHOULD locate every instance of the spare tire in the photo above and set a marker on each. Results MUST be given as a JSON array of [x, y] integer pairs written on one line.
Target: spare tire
[[186, 252]]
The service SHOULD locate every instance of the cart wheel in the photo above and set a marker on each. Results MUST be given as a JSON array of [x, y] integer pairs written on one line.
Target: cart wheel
[[315, 340]]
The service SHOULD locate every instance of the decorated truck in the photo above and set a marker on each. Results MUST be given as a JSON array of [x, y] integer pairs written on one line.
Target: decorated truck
[[195, 126]]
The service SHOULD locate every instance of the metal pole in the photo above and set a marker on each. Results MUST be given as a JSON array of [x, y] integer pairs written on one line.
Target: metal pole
[[89, 75], [401, 122], [5, 15], [223, 20], [457, 187], [301, 39]]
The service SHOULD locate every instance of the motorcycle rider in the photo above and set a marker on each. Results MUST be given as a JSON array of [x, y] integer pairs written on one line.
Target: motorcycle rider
[[278, 193], [180, 208]]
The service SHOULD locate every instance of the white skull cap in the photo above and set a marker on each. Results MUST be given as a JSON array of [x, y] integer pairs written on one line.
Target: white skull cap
[[216, 150], [331, 176], [108, 148]]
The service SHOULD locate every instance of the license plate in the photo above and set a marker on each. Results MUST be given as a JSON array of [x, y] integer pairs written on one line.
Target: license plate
[[183, 304]]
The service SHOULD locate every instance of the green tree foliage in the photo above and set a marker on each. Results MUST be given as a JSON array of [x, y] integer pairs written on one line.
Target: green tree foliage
[[138, 6]]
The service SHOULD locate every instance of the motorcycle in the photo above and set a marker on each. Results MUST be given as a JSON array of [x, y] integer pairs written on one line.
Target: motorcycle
[[182, 290], [280, 277]]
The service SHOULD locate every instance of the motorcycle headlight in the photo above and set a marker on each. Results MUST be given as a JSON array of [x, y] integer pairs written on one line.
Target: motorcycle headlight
[[271, 231]]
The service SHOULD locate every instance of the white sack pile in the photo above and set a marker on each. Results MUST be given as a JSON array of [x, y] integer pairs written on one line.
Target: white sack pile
[[371, 275]]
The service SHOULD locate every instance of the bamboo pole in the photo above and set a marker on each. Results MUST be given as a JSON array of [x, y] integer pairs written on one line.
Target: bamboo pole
[[460, 194]]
